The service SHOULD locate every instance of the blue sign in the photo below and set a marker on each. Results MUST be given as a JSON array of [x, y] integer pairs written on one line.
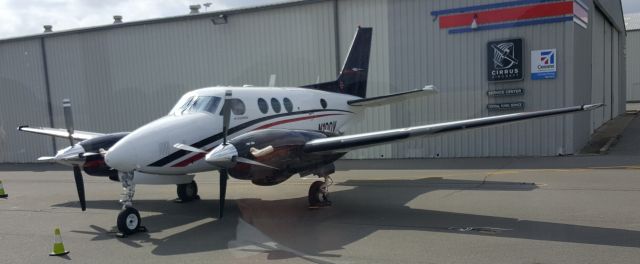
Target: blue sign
[[543, 64]]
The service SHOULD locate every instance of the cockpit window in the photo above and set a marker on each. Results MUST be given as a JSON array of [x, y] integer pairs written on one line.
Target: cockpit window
[[182, 105], [197, 104], [204, 104]]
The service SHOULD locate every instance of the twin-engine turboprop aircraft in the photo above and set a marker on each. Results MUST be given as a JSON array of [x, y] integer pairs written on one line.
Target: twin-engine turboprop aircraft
[[261, 134]]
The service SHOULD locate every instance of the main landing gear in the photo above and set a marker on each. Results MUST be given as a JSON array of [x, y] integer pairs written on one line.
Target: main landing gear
[[319, 193], [129, 220], [187, 192]]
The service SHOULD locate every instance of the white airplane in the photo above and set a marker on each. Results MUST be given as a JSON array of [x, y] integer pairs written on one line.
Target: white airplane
[[262, 134]]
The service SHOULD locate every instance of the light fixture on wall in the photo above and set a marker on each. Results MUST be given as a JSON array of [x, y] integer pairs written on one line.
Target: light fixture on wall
[[474, 24], [219, 20]]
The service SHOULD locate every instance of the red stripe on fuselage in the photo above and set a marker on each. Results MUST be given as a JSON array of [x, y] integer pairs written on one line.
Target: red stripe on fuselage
[[507, 14], [292, 120], [199, 156]]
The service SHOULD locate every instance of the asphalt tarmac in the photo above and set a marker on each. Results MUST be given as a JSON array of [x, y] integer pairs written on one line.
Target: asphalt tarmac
[[578, 209]]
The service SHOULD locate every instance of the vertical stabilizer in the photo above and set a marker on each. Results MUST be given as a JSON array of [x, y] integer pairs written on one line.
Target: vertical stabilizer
[[352, 79]]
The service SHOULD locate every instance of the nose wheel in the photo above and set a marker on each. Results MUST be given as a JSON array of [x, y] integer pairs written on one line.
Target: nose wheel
[[319, 193], [129, 222]]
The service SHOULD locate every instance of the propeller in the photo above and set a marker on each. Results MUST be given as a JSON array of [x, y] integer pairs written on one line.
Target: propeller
[[77, 173], [225, 159], [226, 118], [225, 155]]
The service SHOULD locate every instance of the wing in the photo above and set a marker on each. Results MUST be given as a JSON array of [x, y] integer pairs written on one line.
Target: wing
[[351, 142], [58, 132]]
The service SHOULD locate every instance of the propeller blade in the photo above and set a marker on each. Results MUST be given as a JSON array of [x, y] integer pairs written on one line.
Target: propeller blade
[[188, 148], [245, 160], [86, 154], [77, 174], [47, 159], [226, 116], [68, 118], [223, 189]]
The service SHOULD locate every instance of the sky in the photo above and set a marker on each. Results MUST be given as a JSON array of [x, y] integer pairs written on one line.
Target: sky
[[26, 17]]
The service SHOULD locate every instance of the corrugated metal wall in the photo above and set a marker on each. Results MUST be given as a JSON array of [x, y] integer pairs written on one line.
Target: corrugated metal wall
[[423, 54], [23, 99], [369, 13], [633, 65], [122, 77]]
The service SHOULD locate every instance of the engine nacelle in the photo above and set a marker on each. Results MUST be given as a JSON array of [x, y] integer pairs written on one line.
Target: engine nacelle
[[94, 165], [279, 148]]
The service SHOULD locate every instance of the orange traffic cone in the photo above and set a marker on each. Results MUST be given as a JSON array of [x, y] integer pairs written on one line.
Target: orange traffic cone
[[2, 193], [58, 246]]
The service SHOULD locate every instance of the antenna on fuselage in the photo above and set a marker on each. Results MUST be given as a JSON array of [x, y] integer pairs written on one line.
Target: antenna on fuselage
[[272, 80]]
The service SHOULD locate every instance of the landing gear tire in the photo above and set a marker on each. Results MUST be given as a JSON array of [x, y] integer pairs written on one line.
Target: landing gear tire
[[129, 221], [187, 192], [318, 195]]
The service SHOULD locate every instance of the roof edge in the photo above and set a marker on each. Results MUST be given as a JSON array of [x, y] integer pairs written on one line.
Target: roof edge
[[164, 20]]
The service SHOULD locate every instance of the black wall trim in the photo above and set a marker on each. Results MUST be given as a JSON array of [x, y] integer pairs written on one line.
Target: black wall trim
[[47, 87]]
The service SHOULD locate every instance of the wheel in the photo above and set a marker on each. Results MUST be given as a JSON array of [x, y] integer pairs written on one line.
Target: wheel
[[317, 196], [129, 221], [188, 192]]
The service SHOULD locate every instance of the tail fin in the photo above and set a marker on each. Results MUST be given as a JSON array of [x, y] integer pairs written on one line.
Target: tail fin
[[353, 76]]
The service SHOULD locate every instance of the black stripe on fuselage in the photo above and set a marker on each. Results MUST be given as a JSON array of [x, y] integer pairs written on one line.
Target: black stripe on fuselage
[[181, 153]]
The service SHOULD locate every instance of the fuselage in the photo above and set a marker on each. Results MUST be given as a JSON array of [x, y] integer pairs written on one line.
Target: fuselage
[[196, 120]]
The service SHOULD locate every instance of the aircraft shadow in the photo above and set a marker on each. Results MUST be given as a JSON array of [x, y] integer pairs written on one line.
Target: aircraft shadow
[[286, 228], [33, 167], [493, 163]]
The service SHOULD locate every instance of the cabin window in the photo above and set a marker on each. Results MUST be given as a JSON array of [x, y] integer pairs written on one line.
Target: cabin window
[[263, 106], [287, 105], [323, 103], [237, 106], [275, 104]]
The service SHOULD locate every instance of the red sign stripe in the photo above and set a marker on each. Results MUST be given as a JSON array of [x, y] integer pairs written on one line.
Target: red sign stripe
[[507, 14]]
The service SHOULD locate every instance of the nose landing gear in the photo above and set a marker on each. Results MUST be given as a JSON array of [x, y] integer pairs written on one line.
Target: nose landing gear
[[129, 220]]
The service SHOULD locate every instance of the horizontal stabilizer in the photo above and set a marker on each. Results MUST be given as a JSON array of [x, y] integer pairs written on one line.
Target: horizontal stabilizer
[[393, 98]]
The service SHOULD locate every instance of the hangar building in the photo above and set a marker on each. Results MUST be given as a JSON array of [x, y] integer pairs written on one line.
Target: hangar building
[[632, 24], [487, 57]]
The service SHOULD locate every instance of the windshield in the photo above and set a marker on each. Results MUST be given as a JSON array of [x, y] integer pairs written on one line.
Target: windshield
[[197, 104]]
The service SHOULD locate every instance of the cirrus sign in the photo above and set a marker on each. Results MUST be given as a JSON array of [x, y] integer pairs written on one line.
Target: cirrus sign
[[504, 60]]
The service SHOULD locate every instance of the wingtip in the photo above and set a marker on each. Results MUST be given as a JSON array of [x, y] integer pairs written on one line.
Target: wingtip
[[431, 88], [19, 128], [591, 106]]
